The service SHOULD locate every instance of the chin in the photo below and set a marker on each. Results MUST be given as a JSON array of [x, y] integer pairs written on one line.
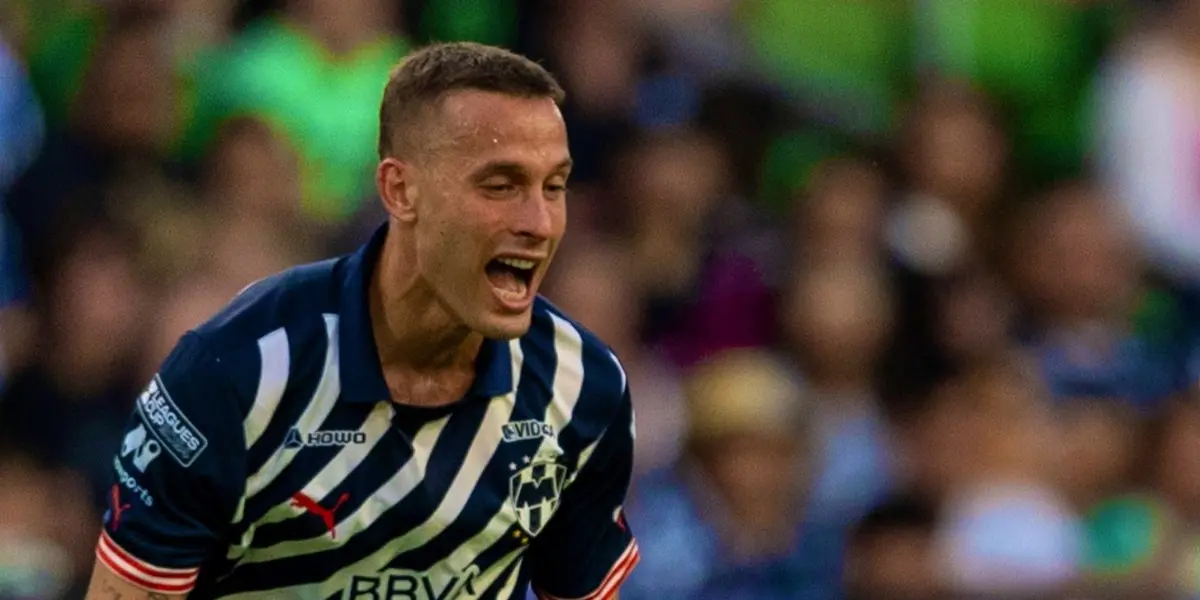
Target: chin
[[504, 326]]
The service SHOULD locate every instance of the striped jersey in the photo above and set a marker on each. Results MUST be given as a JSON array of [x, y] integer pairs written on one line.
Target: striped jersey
[[266, 460]]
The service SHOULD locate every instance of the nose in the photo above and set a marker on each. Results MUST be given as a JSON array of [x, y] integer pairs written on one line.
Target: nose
[[537, 216]]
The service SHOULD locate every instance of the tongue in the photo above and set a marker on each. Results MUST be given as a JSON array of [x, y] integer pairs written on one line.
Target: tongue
[[506, 281]]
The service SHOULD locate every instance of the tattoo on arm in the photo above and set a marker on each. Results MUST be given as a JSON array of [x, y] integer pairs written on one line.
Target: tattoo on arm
[[111, 592]]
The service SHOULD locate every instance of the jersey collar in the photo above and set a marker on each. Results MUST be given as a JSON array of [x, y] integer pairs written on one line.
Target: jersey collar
[[362, 375]]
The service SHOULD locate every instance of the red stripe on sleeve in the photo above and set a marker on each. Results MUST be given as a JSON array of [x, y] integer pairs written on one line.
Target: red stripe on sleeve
[[141, 573], [612, 582]]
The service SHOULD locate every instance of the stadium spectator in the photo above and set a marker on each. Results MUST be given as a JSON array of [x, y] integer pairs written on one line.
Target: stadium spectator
[[21, 130], [836, 323], [729, 519], [1146, 127], [890, 553], [1078, 271], [1006, 528], [315, 71]]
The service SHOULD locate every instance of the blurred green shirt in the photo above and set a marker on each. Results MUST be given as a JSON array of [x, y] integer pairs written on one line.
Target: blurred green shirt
[[326, 107], [1036, 57], [848, 61]]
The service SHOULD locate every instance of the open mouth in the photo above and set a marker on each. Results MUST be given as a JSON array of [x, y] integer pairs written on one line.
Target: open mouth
[[511, 277]]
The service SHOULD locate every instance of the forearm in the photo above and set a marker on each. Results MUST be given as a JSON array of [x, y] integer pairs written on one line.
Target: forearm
[[106, 585]]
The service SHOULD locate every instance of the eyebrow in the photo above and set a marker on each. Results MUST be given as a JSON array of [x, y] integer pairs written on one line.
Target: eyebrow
[[505, 167]]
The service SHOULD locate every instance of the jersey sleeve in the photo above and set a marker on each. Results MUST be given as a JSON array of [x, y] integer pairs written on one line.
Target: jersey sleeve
[[588, 550], [178, 474]]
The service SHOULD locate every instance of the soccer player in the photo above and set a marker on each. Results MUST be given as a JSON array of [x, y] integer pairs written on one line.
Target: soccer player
[[408, 422]]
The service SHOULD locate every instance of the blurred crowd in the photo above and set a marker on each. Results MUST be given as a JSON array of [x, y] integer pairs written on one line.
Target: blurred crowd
[[908, 292]]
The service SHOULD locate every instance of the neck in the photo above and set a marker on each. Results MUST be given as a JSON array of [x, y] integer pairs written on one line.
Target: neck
[[412, 328]]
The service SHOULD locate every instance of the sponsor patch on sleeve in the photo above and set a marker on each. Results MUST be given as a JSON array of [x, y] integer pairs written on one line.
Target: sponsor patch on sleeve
[[163, 418]]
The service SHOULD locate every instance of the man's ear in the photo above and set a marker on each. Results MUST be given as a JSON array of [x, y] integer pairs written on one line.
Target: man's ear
[[397, 186]]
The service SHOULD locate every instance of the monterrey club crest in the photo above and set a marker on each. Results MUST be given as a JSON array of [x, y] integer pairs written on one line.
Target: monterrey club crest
[[534, 489]]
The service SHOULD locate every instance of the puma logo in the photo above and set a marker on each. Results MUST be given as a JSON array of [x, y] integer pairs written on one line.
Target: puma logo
[[117, 507], [300, 500]]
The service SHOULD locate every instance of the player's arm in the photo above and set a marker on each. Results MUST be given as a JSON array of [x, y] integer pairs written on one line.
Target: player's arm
[[178, 477], [107, 585], [588, 550]]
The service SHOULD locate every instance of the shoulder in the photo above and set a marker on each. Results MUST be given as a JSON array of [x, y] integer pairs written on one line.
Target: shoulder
[[291, 299], [275, 319], [580, 353]]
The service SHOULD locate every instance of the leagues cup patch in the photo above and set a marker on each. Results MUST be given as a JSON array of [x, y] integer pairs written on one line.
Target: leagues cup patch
[[163, 418]]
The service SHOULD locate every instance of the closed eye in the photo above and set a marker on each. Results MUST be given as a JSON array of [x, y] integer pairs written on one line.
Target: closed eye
[[499, 189]]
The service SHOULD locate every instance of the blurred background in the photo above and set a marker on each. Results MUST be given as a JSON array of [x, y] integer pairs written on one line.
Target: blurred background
[[904, 287]]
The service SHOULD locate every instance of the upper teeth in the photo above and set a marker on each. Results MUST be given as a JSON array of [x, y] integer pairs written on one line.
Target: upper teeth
[[518, 263]]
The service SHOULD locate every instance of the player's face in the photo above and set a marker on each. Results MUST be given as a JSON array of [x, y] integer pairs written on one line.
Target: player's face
[[492, 208]]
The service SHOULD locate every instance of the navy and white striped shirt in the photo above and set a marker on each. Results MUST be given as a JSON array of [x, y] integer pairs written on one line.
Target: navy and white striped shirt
[[266, 460]]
